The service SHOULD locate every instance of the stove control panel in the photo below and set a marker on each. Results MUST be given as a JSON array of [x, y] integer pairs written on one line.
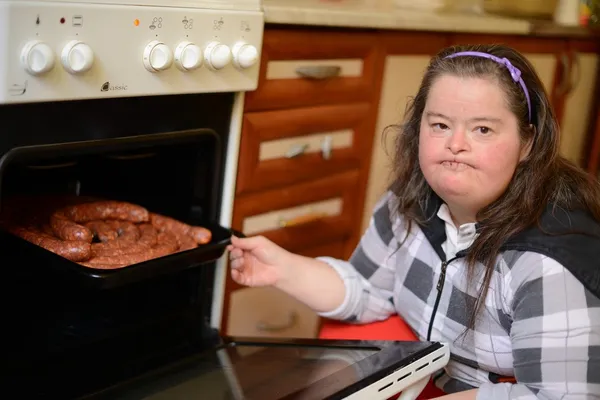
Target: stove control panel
[[69, 51]]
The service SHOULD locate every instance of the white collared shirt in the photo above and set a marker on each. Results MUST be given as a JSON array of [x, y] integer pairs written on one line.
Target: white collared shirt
[[457, 239]]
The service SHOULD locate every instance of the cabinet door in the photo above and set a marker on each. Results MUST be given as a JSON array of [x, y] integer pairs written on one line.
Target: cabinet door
[[578, 104], [545, 66], [401, 80]]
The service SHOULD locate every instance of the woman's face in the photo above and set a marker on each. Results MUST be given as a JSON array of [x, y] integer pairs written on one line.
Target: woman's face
[[469, 144]]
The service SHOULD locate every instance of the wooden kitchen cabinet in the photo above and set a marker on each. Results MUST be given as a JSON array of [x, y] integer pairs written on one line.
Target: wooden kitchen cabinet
[[305, 155]]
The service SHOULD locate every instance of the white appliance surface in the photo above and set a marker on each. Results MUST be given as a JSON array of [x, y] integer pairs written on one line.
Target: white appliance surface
[[53, 51]]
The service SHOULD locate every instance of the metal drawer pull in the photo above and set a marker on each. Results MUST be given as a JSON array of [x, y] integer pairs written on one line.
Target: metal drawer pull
[[296, 150], [326, 147], [266, 327], [319, 71], [303, 219]]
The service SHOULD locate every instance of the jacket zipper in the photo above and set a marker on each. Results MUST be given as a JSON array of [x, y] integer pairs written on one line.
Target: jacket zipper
[[440, 288]]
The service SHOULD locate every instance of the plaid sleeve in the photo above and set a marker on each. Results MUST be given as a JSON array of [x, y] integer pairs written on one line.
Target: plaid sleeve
[[369, 274], [555, 334]]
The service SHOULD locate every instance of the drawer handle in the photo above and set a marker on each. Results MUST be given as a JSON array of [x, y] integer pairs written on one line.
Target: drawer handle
[[266, 327], [296, 150], [303, 219], [326, 147], [319, 71]]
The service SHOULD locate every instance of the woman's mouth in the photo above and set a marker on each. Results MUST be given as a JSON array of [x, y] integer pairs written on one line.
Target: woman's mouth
[[455, 165]]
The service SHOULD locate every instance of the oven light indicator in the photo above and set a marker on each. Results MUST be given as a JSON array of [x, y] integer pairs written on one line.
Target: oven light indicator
[[136, 22]]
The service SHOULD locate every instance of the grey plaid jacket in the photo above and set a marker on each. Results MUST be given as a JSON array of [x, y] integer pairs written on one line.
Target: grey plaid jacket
[[540, 324]]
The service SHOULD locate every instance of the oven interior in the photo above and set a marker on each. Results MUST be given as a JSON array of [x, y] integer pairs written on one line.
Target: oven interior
[[61, 333]]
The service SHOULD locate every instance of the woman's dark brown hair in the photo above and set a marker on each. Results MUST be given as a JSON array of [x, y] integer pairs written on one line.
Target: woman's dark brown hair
[[544, 177]]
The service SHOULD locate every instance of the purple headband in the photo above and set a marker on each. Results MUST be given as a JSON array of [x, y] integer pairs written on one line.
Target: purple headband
[[515, 73]]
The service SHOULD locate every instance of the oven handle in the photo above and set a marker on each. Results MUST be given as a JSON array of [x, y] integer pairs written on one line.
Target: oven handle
[[237, 233]]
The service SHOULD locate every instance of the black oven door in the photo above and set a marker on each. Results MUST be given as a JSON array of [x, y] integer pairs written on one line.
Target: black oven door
[[273, 369]]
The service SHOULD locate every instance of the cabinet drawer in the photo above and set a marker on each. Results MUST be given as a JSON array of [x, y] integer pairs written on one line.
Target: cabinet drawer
[[304, 215], [294, 73], [290, 146], [333, 249], [268, 312]]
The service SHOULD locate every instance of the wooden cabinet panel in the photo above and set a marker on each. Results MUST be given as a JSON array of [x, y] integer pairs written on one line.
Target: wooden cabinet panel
[[578, 107], [335, 249], [271, 138], [401, 80], [289, 62], [312, 228], [545, 66], [269, 312]]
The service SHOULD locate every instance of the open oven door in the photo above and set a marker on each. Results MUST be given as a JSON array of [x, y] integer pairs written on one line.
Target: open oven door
[[278, 369]]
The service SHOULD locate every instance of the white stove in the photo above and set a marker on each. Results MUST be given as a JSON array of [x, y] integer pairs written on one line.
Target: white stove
[[68, 50]]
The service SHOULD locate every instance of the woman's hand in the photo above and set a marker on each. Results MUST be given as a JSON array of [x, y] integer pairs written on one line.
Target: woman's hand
[[256, 261]]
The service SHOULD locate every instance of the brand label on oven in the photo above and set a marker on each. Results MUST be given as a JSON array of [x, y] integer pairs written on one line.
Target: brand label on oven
[[107, 87]]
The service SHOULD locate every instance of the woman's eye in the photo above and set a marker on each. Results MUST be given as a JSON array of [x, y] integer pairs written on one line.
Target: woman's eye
[[484, 129], [439, 127]]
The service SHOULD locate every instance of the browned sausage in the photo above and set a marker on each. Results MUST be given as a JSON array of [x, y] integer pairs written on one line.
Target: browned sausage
[[71, 250], [102, 210], [148, 238], [185, 242], [167, 244], [101, 230], [126, 231], [200, 235], [162, 223], [102, 266], [66, 229], [128, 242], [148, 235]]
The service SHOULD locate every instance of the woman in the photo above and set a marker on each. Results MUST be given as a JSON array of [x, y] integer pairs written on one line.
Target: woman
[[487, 239]]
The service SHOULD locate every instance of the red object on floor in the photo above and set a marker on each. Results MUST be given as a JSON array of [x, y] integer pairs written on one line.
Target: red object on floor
[[394, 328]]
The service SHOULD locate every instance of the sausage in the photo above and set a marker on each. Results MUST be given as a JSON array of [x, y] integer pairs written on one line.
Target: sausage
[[127, 245], [185, 242], [66, 229], [66, 222], [102, 231], [200, 235], [167, 244], [148, 235], [102, 210], [102, 266], [71, 250], [162, 223], [126, 231]]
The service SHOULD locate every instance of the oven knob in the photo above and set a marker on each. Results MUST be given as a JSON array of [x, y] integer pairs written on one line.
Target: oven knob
[[244, 55], [217, 55], [77, 57], [37, 58], [188, 56], [157, 56]]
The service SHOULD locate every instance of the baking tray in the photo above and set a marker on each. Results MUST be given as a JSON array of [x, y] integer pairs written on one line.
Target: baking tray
[[26, 256], [21, 251]]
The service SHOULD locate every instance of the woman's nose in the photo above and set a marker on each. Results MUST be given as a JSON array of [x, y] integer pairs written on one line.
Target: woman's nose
[[458, 141]]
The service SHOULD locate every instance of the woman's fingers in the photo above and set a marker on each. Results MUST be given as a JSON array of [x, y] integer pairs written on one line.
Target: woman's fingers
[[237, 263], [249, 243], [236, 253]]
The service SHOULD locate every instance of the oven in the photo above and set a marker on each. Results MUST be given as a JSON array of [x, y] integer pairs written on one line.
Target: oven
[[128, 101], [118, 156]]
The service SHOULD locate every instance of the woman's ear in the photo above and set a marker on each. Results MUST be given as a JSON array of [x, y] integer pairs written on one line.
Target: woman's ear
[[527, 145]]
